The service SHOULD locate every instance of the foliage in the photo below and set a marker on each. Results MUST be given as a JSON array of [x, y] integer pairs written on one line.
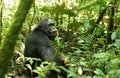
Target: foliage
[[44, 69], [82, 39]]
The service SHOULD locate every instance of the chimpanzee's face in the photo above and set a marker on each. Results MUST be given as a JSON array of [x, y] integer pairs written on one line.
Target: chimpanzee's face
[[48, 26]]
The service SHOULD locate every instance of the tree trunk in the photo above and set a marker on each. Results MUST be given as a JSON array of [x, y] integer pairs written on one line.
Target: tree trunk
[[111, 24], [8, 44], [1, 9]]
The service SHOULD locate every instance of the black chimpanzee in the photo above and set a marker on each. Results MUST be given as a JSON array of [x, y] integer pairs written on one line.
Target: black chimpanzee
[[37, 44]]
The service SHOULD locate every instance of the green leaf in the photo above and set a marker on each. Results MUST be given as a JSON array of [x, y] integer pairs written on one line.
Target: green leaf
[[117, 43], [102, 55], [101, 41], [99, 72], [70, 73], [115, 61], [86, 23], [113, 35]]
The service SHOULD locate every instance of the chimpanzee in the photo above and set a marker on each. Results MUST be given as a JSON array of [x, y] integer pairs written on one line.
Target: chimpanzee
[[37, 44]]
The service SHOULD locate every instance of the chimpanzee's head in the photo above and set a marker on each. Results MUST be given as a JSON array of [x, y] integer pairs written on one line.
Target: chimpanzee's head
[[48, 27]]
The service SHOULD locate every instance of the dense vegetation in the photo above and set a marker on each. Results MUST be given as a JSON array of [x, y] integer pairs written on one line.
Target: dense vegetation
[[89, 36]]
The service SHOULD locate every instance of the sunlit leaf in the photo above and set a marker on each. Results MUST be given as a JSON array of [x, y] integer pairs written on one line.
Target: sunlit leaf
[[80, 71], [29, 66]]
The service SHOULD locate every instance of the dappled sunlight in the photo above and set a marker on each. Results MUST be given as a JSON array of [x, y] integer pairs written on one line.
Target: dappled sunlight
[[60, 38]]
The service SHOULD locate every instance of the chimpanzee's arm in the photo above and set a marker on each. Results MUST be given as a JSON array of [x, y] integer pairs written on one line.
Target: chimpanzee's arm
[[46, 53]]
